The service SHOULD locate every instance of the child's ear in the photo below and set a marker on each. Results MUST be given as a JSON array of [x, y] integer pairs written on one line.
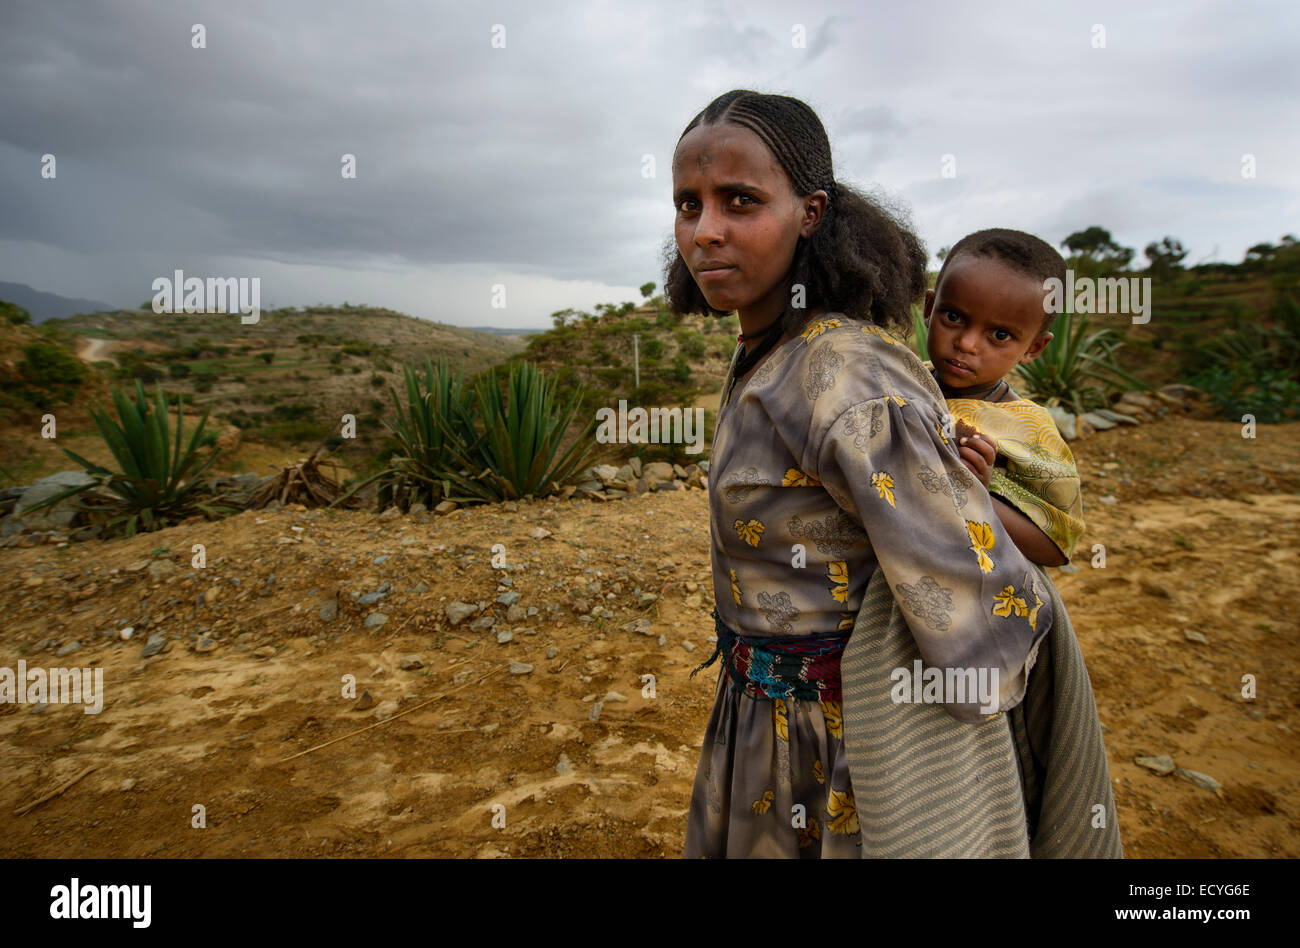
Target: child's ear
[[1037, 346], [929, 305]]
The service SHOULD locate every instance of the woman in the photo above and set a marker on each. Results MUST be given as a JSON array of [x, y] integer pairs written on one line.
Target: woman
[[830, 460]]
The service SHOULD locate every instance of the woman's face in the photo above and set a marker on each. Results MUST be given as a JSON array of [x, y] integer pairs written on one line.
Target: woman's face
[[738, 219]]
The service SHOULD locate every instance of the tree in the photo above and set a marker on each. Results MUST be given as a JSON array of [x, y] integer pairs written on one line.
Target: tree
[[942, 253], [1166, 257], [646, 290], [1095, 246]]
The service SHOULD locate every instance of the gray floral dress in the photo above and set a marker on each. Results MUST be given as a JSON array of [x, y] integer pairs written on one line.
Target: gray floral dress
[[831, 460]]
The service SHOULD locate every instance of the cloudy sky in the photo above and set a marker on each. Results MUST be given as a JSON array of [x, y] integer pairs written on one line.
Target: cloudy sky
[[522, 165]]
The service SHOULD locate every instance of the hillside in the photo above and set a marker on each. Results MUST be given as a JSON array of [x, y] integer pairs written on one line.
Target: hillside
[[1203, 566]]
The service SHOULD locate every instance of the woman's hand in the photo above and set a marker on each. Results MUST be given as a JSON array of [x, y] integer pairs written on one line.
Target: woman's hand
[[978, 451]]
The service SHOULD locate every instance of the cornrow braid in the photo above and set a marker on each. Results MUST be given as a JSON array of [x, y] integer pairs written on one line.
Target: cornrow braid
[[863, 260]]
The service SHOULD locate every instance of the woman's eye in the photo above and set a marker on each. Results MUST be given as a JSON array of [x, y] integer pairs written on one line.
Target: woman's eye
[[745, 197]]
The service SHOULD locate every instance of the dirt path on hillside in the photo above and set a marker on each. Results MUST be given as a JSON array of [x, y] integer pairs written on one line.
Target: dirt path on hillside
[[91, 350], [185, 728]]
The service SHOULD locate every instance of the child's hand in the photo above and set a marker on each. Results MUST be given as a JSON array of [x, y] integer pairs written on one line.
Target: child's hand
[[978, 451]]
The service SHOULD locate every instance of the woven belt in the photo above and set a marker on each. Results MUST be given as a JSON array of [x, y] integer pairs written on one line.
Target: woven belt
[[789, 666]]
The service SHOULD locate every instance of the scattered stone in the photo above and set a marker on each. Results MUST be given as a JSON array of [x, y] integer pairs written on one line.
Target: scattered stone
[[162, 569], [552, 652], [516, 613], [155, 644], [689, 646], [461, 677], [1194, 636], [662, 640], [266, 651], [370, 598], [635, 464], [211, 595], [386, 709], [329, 610], [613, 696], [1108, 500], [596, 709], [1204, 781], [420, 588], [489, 728], [392, 513], [446, 507], [483, 623], [1097, 420], [520, 668], [508, 598], [68, 649], [206, 644], [565, 766], [641, 626], [128, 783], [458, 611], [1161, 765], [380, 560], [410, 663], [375, 620], [504, 636]]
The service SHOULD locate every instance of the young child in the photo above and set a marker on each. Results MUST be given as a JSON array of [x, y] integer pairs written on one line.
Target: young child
[[985, 315]]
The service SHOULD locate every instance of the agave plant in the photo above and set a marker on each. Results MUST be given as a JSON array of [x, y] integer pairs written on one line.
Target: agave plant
[[1078, 367], [416, 473], [159, 481], [518, 453]]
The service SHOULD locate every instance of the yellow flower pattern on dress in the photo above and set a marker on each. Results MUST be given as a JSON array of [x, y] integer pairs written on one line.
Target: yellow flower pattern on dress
[[898, 399], [735, 587], [797, 478], [883, 482], [817, 772], [1007, 602], [1033, 613], [842, 811], [884, 334], [819, 326], [762, 805], [750, 532], [838, 571], [981, 541], [834, 719], [939, 428], [780, 720], [807, 834], [847, 621]]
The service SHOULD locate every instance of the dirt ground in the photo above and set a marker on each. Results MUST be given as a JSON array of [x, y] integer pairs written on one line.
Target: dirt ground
[[1203, 537]]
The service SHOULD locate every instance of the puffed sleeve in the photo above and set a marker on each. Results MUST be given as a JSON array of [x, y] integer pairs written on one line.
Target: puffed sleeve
[[967, 593]]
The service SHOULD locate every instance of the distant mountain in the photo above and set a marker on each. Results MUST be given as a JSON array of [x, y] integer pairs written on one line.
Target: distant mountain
[[499, 331], [45, 306]]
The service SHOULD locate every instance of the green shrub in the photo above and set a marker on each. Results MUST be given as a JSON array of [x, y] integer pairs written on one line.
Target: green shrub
[[652, 348], [1078, 368], [50, 372], [14, 314], [266, 357]]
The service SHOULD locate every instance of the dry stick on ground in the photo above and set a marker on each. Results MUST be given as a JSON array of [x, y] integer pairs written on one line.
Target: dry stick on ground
[[396, 716], [55, 792]]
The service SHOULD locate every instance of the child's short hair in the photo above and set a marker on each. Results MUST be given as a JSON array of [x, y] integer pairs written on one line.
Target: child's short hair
[[1020, 251]]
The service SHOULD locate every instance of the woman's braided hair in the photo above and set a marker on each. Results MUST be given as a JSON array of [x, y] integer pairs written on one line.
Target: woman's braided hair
[[863, 260]]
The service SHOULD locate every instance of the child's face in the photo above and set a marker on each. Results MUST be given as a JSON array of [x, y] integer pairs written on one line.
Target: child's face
[[737, 211], [983, 319]]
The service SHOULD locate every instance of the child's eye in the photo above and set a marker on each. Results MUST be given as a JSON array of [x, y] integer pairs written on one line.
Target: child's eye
[[1001, 335], [950, 316]]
